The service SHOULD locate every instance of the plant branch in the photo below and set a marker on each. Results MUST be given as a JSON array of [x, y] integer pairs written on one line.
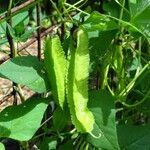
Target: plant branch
[[38, 10], [138, 103], [131, 84], [71, 6]]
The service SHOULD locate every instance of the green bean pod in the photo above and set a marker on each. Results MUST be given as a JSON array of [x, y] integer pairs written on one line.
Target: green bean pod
[[77, 84], [55, 65]]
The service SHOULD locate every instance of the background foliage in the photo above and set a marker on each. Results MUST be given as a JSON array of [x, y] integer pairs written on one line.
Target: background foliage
[[119, 84]]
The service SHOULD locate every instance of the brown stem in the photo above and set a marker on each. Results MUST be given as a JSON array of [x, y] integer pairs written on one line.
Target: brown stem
[[38, 30], [17, 9], [11, 44]]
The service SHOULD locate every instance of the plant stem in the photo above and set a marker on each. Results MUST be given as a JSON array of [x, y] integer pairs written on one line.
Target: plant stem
[[122, 71], [121, 12], [125, 23], [103, 75], [77, 9], [59, 13], [87, 146], [82, 146], [38, 11], [79, 143], [25, 145], [77, 3], [131, 84], [20, 93], [138, 103], [46, 121], [12, 47]]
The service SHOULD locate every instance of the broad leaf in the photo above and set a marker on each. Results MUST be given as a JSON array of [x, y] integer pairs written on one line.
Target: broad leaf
[[137, 7], [3, 41], [28, 33], [2, 147], [99, 22], [134, 137], [22, 121], [25, 35], [59, 119], [140, 17], [102, 106], [67, 146], [113, 8], [17, 19], [101, 30], [138, 21], [26, 70], [140, 10], [143, 82], [20, 18], [48, 144]]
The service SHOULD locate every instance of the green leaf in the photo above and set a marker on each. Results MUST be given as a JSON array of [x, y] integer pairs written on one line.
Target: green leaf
[[19, 29], [67, 146], [26, 70], [59, 119], [140, 17], [2, 147], [20, 18], [22, 121], [137, 7], [15, 31], [101, 31], [138, 22], [2, 28], [99, 22], [27, 34], [48, 144], [102, 106], [3, 41], [136, 63], [143, 82], [134, 137], [113, 8], [99, 45]]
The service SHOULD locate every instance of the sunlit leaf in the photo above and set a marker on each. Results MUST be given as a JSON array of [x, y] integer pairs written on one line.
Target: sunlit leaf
[[22, 121]]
